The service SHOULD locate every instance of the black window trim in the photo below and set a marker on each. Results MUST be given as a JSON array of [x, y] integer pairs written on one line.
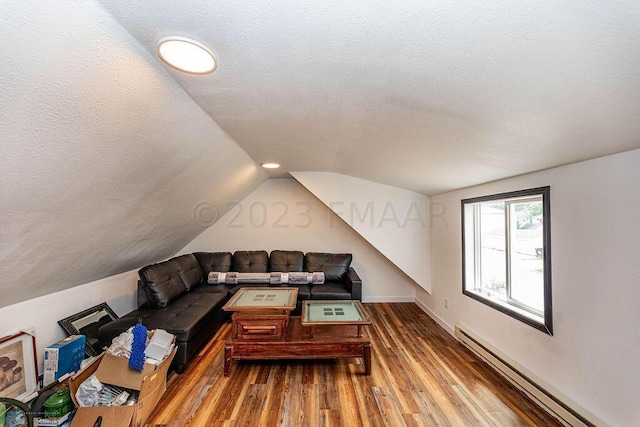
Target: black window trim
[[547, 327]]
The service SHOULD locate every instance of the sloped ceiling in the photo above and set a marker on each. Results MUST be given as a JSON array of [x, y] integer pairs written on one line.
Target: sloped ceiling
[[106, 163], [393, 220], [424, 95], [110, 160]]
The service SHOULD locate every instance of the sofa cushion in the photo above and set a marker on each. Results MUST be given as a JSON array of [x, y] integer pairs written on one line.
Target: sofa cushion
[[213, 261], [286, 261], [213, 288], [183, 318], [162, 283], [330, 290], [304, 291], [250, 261], [189, 270], [334, 266]]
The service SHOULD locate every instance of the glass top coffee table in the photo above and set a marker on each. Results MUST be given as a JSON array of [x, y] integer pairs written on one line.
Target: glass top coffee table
[[260, 299], [339, 312], [261, 313]]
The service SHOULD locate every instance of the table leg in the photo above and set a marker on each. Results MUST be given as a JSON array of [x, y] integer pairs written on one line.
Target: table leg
[[359, 331], [235, 329], [228, 359], [285, 329], [367, 359]]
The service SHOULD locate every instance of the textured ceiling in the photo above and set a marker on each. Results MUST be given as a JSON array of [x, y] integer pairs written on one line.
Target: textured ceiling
[[423, 95], [106, 164]]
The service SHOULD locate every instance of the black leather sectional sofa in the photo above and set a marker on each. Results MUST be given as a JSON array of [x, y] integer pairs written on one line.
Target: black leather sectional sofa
[[174, 295]]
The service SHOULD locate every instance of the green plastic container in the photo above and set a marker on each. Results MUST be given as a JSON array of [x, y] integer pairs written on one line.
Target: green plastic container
[[58, 404], [3, 413]]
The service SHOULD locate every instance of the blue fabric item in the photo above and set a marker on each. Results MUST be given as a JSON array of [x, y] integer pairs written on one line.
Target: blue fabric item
[[136, 360]]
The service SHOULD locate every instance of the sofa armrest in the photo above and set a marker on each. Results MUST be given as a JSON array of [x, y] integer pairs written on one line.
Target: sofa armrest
[[355, 284], [143, 298]]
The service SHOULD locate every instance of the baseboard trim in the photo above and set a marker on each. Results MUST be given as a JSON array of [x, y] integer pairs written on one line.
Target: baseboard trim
[[551, 400], [439, 320], [547, 397], [388, 299]]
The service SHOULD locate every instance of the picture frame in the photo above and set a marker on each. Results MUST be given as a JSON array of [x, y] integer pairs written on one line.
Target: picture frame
[[18, 366], [87, 323]]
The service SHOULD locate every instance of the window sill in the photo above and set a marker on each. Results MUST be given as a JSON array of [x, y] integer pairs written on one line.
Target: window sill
[[527, 317]]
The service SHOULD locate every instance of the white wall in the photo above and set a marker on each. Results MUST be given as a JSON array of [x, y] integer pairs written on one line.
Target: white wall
[[595, 245], [394, 220], [104, 156], [282, 214], [42, 314]]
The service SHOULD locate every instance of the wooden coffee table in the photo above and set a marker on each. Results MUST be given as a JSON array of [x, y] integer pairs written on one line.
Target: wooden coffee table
[[318, 335], [328, 342], [261, 313]]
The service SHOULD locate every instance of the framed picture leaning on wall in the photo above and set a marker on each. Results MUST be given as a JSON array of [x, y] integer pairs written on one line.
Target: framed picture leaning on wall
[[18, 366]]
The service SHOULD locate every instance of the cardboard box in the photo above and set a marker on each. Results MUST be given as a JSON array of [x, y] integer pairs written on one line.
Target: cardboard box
[[112, 416], [114, 370], [63, 358]]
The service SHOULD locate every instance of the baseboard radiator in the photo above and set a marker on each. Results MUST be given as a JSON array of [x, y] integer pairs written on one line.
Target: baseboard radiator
[[561, 407]]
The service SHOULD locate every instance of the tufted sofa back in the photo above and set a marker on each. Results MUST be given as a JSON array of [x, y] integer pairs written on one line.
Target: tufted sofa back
[[250, 262], [163, 282], [213, 261], [286, 261], [166, 281], [334, 266]]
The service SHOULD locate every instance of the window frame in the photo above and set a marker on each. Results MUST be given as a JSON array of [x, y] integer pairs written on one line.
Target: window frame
[[508, 307]]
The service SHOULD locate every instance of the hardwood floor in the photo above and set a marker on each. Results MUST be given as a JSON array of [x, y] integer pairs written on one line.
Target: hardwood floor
[[421, 376]]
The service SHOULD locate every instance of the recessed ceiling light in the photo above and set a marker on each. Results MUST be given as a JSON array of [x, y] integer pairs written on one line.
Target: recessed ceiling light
[[186, 55], [271, 165]]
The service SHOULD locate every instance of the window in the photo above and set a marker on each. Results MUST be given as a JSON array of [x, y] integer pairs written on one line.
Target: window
[[506, 254]]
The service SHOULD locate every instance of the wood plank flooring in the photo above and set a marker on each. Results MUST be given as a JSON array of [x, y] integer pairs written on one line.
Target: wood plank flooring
[[421, 376]]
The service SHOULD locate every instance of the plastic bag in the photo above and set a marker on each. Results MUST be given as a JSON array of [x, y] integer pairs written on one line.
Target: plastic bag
[[121, 345], [88, 393]]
